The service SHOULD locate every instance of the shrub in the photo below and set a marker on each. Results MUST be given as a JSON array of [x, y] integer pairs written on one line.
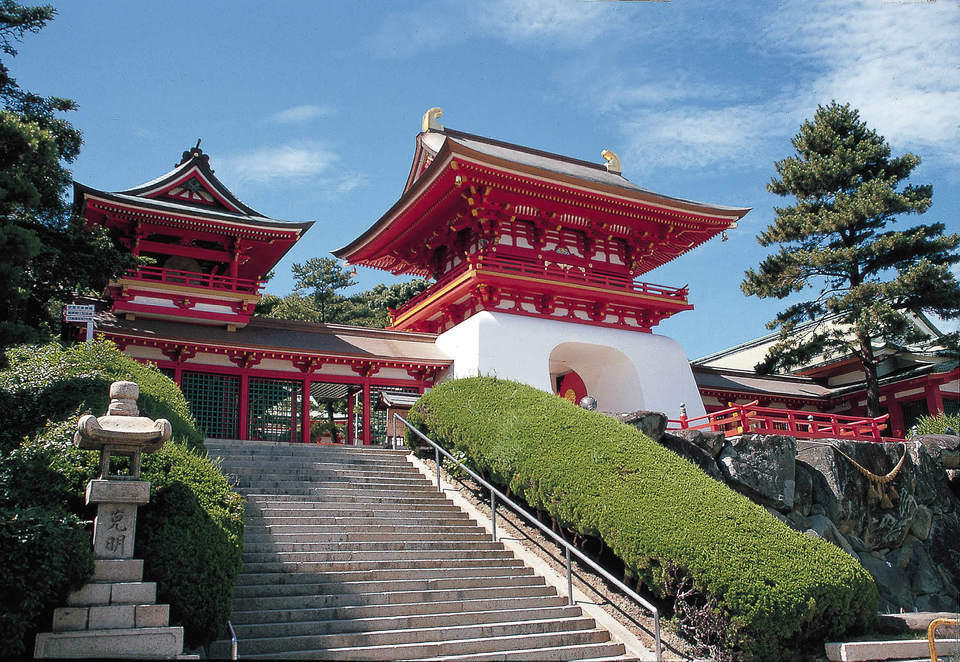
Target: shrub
[[771, 592], [51, 382], [938, 424], [44, 554], [190, 538], [193, 518]]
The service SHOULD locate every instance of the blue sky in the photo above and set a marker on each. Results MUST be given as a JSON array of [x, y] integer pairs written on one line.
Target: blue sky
[[309, 110]]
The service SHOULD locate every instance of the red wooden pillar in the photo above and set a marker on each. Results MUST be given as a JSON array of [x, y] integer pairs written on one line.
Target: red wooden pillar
[[178, 374], [244, 398], [367, 436], [305, 435], [350, 430], [934, 398], [896, 417]]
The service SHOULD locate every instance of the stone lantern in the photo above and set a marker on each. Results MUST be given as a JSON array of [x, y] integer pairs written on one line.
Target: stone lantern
[[115, 615]]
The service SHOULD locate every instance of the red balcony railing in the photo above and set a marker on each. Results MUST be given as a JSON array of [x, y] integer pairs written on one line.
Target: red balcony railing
[[564, 274], [509, 265], [750, 418], [194, 279]]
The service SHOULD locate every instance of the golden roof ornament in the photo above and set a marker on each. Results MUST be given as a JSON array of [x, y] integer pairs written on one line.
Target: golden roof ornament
[[430, 120], [612, 161]]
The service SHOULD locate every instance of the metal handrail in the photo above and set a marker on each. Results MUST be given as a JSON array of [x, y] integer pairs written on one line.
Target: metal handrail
[[570, 549], [234, 642]]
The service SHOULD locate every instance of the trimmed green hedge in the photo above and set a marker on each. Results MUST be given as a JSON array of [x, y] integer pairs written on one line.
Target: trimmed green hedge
[[189, 535], [773, 592]]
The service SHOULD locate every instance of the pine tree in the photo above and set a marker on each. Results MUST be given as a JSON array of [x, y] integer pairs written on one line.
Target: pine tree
[[48, 253], [836, 246]]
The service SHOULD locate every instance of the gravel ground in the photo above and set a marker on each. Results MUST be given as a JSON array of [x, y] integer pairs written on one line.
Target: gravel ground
[[626, 611]]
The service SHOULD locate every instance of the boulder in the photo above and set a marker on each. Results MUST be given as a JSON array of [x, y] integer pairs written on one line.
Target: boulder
[[762, 467], [824, 528], [711, 442], [803, 493], [921, 523], [893, 583], [944, 448], [692, 453], [650, 423], [943, 545]]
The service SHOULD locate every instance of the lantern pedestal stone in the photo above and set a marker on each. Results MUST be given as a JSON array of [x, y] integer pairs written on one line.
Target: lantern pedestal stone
[[116, 614]]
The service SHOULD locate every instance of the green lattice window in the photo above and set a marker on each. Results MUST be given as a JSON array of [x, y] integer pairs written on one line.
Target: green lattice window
[[275, 409], [168, 372], [215, 403]]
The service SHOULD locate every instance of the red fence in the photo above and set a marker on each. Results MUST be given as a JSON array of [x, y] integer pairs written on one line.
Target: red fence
[[510, 265], [194, 279], [750, 418]]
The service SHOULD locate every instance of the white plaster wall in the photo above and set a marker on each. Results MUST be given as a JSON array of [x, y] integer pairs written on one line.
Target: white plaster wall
[[519, 347]]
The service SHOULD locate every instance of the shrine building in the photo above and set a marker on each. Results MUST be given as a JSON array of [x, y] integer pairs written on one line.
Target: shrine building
[[534, 260]]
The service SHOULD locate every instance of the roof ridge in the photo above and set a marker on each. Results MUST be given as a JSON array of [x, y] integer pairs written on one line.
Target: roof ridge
[[454, 133]]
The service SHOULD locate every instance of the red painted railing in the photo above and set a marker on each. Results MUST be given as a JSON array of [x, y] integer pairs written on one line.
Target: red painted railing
[[509, 265], [194, 279], [751, 418]]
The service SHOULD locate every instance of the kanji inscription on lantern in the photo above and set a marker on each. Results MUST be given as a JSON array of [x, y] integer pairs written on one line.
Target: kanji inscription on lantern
[[114, 529]]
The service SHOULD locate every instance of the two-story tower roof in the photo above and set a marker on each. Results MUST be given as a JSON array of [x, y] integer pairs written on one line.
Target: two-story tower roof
[[509, 228], [211, 251]]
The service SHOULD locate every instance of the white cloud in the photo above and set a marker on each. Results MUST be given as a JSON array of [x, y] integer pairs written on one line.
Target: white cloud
[[300, 161], [536, 23], [897, 63], [301, 114]]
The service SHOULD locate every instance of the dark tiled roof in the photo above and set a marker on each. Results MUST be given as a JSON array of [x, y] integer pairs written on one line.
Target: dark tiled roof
[[741, 380], [288, 335]]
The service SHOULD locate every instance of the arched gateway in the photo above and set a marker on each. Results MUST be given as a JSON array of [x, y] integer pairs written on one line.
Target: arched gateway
[[534, 258]]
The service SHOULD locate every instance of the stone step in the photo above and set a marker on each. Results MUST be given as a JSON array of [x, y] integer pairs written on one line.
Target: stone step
[[251, 578], [374, 555], [451, 519], [256, 449], [377, 624], [161, 642], [329, 477], [365, 546], [593, 652], [349, 613], [351, 554], [416, 636], [896, 649], [113, 593], [352, 509], [367, 494], [373, 586], [394, 597], [475, 535], [375, 487], [532, 641], [361, 566], [467, 526], [293, 496], [321, 464]]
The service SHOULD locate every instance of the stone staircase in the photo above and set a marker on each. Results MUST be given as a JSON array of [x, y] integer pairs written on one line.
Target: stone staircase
[[351, 554]]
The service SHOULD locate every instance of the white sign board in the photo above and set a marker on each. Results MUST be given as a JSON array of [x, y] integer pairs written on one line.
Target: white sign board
[[78, 313]]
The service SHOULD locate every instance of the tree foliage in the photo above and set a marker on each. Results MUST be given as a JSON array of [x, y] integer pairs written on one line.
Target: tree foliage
[[317, 297], [48, 253], [861, 278]]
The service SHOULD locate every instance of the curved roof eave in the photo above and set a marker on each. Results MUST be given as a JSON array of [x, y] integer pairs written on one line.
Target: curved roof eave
[[452, 147]]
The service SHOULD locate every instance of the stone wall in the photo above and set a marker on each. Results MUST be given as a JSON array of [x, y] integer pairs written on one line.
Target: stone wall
[[905, 532]]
